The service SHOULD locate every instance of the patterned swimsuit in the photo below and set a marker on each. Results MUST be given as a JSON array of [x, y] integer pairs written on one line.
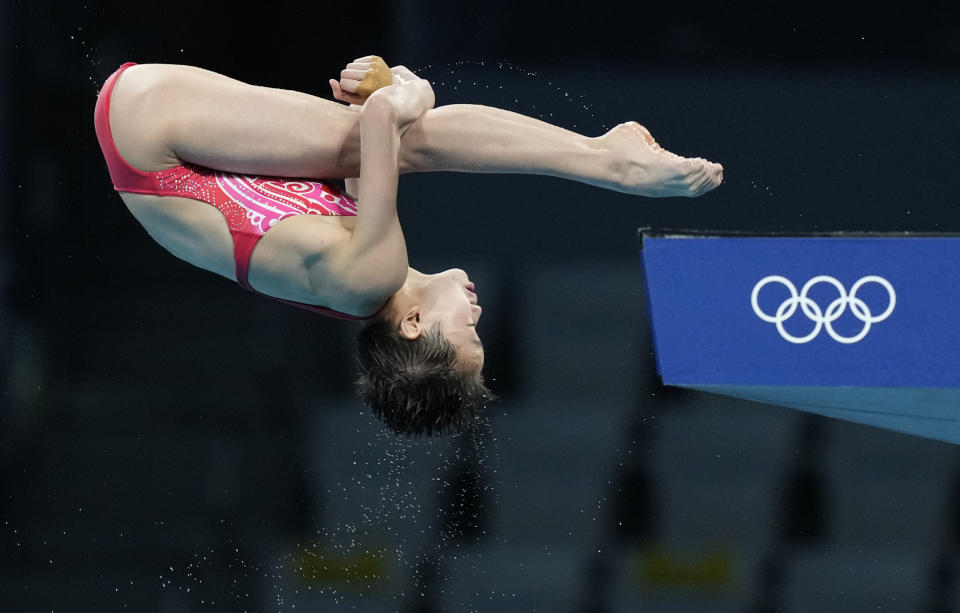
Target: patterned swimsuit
[[251, 205]]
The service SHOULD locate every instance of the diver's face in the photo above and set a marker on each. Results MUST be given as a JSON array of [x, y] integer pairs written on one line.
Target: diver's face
[[446, 297]]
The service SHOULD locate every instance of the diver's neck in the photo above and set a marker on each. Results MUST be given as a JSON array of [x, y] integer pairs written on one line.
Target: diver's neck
[[415, 276], [414, 281]]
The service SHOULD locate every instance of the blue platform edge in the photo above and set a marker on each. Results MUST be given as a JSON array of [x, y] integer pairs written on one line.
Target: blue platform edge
[[707, 332]]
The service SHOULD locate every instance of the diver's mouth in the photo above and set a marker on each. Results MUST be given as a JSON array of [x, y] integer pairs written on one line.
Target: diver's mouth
[[471, 288]]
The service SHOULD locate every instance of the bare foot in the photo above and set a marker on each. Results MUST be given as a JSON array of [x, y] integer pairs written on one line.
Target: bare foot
[[644, 168]]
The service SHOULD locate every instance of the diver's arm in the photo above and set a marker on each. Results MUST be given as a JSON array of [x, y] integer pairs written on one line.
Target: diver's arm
[[375, 256], [374, 260]]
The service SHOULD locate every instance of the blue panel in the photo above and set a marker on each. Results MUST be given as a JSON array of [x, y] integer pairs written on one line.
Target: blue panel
[[707, 331]]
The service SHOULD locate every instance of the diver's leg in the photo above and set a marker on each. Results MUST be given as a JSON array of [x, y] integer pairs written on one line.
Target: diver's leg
[[474, 138], [163, 114], [482, 139], [166, 113]]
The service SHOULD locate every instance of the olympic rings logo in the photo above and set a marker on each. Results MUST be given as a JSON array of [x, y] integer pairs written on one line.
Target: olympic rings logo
[[812, 310]]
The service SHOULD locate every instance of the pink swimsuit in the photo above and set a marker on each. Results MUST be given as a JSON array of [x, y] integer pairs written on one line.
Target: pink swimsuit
[[251, 205]]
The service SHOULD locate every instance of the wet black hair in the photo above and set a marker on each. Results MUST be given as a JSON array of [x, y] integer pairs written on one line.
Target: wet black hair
[[416, 387]]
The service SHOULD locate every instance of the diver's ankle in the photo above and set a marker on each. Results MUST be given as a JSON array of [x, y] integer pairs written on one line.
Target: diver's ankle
[[604, 167]]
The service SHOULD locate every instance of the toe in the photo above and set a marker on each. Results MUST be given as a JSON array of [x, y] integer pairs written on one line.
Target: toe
[[698, 181], [716, 172], [712, 178]]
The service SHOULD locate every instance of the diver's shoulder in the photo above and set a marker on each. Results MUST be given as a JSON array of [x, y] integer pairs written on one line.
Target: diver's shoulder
[[363, 279]]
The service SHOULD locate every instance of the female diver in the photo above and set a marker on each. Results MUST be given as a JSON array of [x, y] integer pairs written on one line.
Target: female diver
[[178, 139]]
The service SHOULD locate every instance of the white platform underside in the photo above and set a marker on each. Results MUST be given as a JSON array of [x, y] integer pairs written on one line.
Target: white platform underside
[[929, 412]]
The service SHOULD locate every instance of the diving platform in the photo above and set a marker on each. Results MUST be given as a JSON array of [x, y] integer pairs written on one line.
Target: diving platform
[[863, 327]]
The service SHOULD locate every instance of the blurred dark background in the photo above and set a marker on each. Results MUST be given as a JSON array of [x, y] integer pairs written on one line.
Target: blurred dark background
[[169, 442]]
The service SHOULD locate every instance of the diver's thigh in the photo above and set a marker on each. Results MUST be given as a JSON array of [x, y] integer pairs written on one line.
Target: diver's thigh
[[209, 119]]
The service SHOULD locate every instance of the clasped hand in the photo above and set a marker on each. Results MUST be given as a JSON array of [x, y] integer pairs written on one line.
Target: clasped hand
[[409, 95]]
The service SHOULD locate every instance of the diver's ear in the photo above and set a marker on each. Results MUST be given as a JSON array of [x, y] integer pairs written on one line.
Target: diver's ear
[[410, 326]]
